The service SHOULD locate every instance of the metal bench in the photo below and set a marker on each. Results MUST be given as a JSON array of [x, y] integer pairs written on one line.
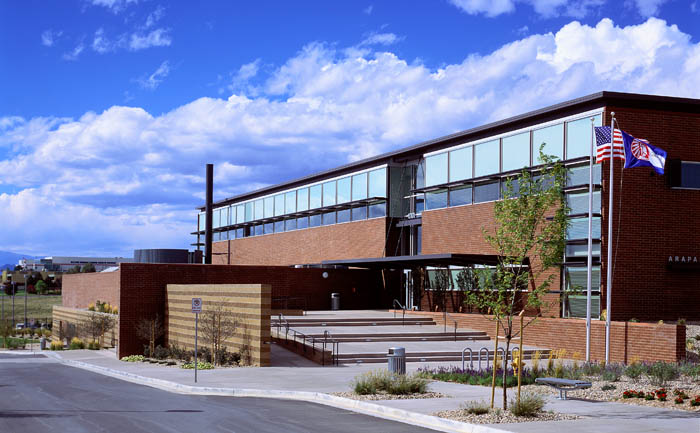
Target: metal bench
[[563, 385]]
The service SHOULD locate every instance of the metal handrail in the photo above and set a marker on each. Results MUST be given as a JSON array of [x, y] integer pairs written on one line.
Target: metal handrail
[[403, 317], [335, 345], [471, 358], [453, 321]]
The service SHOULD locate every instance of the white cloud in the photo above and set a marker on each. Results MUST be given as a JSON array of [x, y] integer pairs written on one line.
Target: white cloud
[[73, 55], [124, 178], [100, 43], [155, 16], [648, 8], [156, 38], [368, 10], [544, 8], [240, 81], [489, 8], [48, 37], [152, 81], [380, 39], [115, 6]]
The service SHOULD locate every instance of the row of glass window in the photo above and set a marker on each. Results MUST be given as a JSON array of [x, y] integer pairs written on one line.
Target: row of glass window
[[356, 213], [567, 140], [351, 188], [574, 296]]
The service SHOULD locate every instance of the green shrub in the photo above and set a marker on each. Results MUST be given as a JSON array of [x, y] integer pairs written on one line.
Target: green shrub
[[661, 372], [402, 384], [56, 345], [476, 407], [200, 366], [133, 358], [591, 369], [160, 352], [691, 370], [76, 343], [529, 405], [634, 371], [608, 387], [396, 384], [94, 345]]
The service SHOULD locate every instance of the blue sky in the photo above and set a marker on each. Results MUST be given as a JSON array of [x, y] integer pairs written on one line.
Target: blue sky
[[109, 109]]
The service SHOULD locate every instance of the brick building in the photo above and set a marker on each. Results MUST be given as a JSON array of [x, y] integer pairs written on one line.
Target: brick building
[[424, 207]]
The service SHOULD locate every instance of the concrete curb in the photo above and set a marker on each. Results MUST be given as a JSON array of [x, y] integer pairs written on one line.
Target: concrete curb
[[362, 407]]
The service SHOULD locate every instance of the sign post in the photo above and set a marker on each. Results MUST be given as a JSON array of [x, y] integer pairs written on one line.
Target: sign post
[[196, 309]]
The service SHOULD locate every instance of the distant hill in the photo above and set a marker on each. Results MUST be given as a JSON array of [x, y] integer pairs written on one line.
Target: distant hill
[[10, 259]]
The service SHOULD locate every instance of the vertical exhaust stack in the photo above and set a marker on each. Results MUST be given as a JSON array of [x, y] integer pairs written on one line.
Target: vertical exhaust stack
[[208, 214]]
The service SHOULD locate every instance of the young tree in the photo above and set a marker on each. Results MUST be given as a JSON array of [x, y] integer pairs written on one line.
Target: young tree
[[218, 325], [5, 331], [150, 329], [87, 268], [529, 238], [40, 287], [96, 325]]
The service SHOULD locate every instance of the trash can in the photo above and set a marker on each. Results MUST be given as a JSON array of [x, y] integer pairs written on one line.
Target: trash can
[[335, 301], [397, 360], [42, 343]]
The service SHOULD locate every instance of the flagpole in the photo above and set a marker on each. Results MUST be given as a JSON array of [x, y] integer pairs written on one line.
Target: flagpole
[[610, 243], [590, 245]]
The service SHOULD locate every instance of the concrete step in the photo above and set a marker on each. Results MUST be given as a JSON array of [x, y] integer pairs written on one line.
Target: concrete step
[[376, 358], [404, 334], [309, 324]]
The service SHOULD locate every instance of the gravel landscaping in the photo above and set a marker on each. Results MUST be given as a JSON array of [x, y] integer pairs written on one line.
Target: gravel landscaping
[[499, 417], [387, 396]]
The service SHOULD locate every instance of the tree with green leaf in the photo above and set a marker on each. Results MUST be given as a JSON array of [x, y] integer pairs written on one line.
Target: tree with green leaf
[[529, 238]]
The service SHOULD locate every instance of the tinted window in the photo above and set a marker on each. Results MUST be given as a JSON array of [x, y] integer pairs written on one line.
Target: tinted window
[[315, 220], [328, 218], [578, 202], [690, 175], [202, 222], [552, 137], [514, 185], [224, 217], [377, 210], [216, 215], [343, 216], [302, 222], [279, 226], [359, 213], [359, 186], [290, 202], [269, 205], [582, 250], [486, 192], [240, 233], [259, 214], [303, 199], [578, 228], [578, 137], [315, 197], [420, 203], [516, 151], [436, 169], [436, 199], [344, 190], [460, 196], [258, 230], [579, 175], [377, 183], [279, 204], [329, 193], [461, 164], [240, 214], [268, 228], [290, 224], [420, 174], [249, 211], [486, 158]]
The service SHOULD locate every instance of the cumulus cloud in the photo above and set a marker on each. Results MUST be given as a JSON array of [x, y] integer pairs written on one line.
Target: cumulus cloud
[[115, 6], [152, 81], [545, 8], [648, 8], [134, 178], [48, 37], [155, 38]]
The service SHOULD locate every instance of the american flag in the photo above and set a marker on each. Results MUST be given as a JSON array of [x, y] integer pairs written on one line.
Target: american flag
[[602, 140]]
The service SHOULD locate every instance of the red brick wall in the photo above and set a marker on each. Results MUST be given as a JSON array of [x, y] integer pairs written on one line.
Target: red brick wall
[[653, 222], [143, 289], [351, 240], [80, 290], [643, 341]]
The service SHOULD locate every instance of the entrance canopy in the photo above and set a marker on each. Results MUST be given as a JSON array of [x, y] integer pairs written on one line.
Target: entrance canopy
[[419, 261]]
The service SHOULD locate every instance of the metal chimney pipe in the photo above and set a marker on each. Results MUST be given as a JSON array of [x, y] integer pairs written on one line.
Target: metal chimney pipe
[[208, 214]]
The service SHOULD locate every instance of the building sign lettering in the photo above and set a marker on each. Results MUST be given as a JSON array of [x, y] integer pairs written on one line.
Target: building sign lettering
[[683, 262]]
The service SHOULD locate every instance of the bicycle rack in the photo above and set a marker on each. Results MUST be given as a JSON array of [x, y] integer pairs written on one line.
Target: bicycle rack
[[487, 357], [471, 358]]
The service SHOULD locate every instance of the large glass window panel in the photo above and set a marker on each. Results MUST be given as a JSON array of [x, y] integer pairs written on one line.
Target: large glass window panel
[[224, 216], [343, 216], [436, 169], [486, 158], [329, 193], [328, 218], [578, 137], [377, 209], [516, 151], [202, 222], [581, 250], [249, 211], [420, 174], [240, 233], [461, 164], [268, 228], [515, 187], [553, 139], [578, 202], [240, 214], [575, 295], [578, 228], [460, 196], [258, 230], [359, 186], [577, 278], [279, 226], [315, 196], [269, 205], [420, 204], [290, 224], [259, 214], [303, 199], [290, 202], [436, 199], [377, 183], [302, 222], [579, 175], [315, 220], [359, 213], [344, 190], [489, 191], [690, 175], [279, 204], [216, 215]]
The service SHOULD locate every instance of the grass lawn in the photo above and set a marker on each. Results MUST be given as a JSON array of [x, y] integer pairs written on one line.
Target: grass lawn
[[38, 306]]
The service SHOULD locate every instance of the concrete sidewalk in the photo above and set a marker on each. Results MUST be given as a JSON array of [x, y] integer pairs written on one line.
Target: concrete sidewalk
[[299, 375]]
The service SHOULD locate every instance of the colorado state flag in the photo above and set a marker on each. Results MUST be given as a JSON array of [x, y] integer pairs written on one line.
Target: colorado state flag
[[639, 153]]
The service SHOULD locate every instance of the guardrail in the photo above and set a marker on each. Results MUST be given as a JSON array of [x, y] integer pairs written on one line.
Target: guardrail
[[446, 315], [298, 337]]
